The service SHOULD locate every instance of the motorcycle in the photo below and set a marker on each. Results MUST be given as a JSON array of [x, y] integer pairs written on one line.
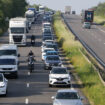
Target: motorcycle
[[31, 63], [32, 42]]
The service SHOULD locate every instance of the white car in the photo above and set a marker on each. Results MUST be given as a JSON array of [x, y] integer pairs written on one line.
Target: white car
[[67, 97], [48, 41], [3, 85], [46, 24], [59, 76], [45, 50], [9, 65]]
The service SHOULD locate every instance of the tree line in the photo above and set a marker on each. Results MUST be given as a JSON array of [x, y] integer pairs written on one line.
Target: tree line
[[10, 9], [100, 9]]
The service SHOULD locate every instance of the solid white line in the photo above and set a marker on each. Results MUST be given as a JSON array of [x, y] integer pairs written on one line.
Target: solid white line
[[26, 101], [28, 85]]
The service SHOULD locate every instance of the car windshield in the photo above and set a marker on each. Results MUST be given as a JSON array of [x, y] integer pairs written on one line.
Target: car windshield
[[1, 78], [47, 50], [7, 62], [47, 25], [17, 30], [59, 71], [53, 58], [47, 38], [52, 53], [8, 52], [87, 23], [67, 95]]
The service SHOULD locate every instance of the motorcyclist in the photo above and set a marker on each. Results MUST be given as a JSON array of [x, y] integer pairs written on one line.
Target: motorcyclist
[[31, 53], [32, 39], [31, 60]]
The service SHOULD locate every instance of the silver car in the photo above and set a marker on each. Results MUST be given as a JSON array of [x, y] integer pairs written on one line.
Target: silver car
[[87, 25], [67, 97]]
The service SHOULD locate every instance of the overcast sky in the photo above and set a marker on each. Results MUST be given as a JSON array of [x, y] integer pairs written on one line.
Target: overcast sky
[[77, 5]]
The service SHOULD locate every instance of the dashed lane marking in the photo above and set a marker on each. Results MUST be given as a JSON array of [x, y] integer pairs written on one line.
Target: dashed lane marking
[[28, 73], [26, 101], [28, 85]]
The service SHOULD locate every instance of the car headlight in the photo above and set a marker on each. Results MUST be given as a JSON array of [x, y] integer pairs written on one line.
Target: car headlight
[[2, 85], [52, 77]]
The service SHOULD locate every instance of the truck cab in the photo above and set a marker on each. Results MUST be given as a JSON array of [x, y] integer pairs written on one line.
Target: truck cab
[[17, 31], [9, 50], [30, 16]]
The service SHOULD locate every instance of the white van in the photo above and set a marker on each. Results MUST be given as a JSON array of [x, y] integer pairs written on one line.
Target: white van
[[9, 65]]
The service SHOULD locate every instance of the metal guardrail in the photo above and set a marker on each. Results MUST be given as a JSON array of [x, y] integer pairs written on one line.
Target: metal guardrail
[[85, 45]]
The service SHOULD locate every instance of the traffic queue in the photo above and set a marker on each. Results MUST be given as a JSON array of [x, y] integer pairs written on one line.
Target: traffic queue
[[9, 61]]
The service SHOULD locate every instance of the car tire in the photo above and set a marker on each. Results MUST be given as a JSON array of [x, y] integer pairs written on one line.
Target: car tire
[[50, 85], [69, 86], [5, 94]]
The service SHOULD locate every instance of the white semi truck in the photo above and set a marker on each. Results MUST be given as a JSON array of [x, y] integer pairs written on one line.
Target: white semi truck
[[30, 15], [41, 9], [17, 31], [67, 9]]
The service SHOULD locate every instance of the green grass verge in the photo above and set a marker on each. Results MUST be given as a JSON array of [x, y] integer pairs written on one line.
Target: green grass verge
[[93, 88], [99, 20]]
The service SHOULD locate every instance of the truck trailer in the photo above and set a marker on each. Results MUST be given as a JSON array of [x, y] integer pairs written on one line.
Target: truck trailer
[[67, 9], [30, 15], [87, 16]]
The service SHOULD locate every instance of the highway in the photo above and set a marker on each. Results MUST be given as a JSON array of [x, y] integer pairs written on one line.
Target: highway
[[94, 38], [32, 89]]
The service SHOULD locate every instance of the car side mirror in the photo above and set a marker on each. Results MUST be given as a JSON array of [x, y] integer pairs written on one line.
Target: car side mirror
[[18, 55], [53, 97], [6, 80]]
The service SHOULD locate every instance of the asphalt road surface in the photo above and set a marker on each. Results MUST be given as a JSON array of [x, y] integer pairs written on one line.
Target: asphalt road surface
[[32, 89], [94, 37]]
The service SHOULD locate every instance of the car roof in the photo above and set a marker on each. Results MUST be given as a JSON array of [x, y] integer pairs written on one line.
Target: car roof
[[7, 57], [8, 46], [67, 90], [59, 67]]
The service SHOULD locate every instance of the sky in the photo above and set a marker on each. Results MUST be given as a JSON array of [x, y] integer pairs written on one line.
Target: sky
[[76, 5]]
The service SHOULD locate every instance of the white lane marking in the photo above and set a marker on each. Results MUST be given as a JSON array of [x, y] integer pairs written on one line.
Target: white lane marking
[[26, 101], [104, 43], [28, 85], [28, 73]]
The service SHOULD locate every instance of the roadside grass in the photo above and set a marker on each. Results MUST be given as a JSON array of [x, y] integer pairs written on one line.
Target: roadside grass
[[99, 20], [92, 86]]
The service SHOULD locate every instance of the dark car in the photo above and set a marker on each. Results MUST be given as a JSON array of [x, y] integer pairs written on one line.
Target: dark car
[[52, 60]]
